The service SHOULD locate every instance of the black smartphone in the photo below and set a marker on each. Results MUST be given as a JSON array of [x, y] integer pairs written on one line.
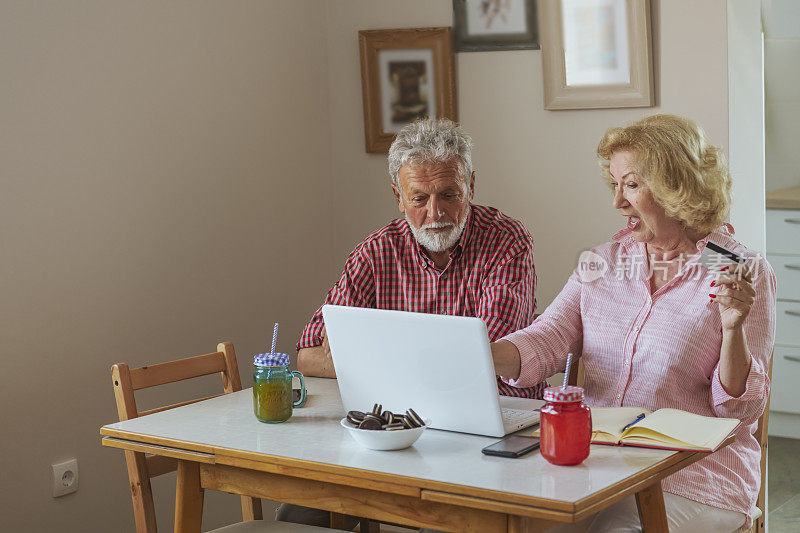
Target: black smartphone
[[512, 446]]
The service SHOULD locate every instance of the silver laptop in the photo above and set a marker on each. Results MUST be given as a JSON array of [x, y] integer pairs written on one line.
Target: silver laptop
[[438, 365]]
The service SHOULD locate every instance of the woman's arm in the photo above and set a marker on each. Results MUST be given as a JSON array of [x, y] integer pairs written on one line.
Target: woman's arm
[[528, 356], [735, 298], [740, 385], [506, 359], [734, 362]]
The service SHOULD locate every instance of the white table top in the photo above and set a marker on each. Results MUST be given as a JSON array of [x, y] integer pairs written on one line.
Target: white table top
[[314, 434]]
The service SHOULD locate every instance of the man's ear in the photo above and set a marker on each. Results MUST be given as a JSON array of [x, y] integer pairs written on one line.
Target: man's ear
[[397, 197], [472, 186]]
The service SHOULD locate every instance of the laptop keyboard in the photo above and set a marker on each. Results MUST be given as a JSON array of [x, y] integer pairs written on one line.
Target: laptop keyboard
[[517, 416]]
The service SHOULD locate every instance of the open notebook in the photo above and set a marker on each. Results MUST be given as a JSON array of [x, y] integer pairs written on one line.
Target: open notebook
[[669, 429], [666, 428]]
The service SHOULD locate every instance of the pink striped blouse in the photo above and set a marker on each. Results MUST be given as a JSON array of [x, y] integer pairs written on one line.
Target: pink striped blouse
[[661, 350]]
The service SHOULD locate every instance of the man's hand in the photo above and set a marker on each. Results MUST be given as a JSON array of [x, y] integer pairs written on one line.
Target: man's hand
[[316, 361]]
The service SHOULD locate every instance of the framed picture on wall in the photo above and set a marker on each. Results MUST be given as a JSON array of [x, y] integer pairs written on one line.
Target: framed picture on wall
[[596, 53], [485, 25], [406, 74]]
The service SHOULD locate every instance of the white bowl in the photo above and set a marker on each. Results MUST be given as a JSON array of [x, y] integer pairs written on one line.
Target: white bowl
[[382, 439]]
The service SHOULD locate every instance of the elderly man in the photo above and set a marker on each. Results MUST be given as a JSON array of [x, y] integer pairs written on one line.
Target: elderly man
[[445, 256]]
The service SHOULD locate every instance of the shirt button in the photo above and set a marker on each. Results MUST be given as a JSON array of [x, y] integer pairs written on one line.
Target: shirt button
[[619, 396]]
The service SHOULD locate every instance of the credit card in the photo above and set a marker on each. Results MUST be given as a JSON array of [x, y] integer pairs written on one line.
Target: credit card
[[715, 257]]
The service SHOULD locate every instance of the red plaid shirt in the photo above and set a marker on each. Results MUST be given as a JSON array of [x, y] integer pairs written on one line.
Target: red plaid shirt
[[490, 275]]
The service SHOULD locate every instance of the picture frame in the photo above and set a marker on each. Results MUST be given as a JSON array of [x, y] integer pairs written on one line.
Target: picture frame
[[596, 54], [481, 25], [406, 74]]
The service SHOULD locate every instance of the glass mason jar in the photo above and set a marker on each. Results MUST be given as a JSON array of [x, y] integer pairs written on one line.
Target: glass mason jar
[[272, 388], [566, 426]]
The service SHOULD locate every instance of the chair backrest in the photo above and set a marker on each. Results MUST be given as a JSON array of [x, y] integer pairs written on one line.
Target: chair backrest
[[576, 377], [142, 467], [761, 434]]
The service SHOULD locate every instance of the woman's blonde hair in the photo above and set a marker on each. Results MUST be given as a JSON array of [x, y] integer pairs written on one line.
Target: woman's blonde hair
[[687, 176]]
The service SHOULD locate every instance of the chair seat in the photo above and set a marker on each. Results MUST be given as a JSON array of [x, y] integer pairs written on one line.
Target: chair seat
[[268, 526]]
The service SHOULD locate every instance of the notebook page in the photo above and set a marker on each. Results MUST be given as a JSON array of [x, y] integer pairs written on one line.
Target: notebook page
[[607, 422], [696, 430]]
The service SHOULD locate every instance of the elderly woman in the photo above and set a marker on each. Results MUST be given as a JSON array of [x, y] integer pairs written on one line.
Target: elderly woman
[[660, 330]]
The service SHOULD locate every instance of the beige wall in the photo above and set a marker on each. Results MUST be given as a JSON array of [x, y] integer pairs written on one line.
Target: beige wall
[[157, 196], [781, 79], [782, 76], [536, 165], [140, 140]]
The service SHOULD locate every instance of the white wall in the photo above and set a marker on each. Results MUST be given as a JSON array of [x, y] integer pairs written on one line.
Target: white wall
[[746, 112], [157, 197], [536, 165]]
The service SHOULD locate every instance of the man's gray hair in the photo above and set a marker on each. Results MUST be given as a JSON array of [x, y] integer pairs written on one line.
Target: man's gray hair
[[431, 141]]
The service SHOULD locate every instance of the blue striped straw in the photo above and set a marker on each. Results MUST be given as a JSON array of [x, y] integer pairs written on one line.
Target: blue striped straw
[[566, 370], [274, 337]]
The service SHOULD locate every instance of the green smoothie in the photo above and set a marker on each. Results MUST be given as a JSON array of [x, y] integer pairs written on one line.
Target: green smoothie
[[272, 400]]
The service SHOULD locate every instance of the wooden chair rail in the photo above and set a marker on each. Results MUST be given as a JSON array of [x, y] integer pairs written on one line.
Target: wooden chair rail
[[179, 370], [174, 405]]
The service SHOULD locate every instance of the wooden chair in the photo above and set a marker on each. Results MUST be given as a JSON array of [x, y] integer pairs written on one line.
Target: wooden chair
[[760, 522], [142, 467], [576, 377]]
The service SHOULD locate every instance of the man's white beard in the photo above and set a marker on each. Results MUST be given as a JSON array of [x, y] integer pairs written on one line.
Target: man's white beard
[[438, 241]]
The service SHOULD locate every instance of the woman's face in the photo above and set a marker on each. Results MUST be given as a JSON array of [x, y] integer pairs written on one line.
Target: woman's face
[[647, 220]]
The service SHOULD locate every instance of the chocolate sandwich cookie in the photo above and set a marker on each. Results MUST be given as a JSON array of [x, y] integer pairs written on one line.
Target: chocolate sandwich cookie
[[370, 422], [370, 416], [378, 419], [415, 418], [355, 417]]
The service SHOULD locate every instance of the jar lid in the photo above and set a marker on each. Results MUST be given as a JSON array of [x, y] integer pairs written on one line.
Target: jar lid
[[271, 359], [569, 393]]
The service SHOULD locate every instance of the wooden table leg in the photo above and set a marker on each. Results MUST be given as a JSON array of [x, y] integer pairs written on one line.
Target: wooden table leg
[[251, 509], [652, 512], [188, 498], [369, 526], [338, 521]]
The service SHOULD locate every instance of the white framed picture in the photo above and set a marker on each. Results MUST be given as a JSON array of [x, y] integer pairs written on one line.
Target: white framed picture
[[596, 53]]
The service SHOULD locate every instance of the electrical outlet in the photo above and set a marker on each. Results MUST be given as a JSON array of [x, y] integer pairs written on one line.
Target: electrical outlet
[[65, 477]]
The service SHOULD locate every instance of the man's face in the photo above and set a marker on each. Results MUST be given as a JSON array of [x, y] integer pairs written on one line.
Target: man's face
[[435, 200]]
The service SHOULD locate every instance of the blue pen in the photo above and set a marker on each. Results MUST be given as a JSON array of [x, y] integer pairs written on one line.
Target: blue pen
[[638, 418]]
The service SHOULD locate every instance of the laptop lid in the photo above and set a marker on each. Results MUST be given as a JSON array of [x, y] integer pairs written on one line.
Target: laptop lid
[[438, 365]]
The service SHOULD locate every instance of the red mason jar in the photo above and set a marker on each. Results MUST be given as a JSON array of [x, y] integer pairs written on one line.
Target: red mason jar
[[566, 426]]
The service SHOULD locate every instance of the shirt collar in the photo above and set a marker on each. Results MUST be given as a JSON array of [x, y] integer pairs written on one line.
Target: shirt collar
[[463, 241], [723, 236]]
